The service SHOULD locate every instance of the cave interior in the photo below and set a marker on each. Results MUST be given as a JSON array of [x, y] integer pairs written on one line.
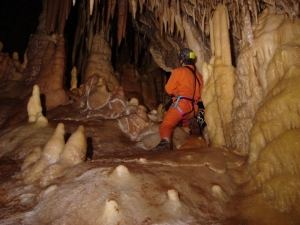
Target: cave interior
[[82, 97]]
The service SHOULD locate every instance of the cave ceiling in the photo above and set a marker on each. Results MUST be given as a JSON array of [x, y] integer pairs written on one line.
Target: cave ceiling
[[157, 25]]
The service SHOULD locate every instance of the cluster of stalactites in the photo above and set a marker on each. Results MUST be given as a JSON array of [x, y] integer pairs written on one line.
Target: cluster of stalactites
[[168, 13], [95, 15], [57, 13]]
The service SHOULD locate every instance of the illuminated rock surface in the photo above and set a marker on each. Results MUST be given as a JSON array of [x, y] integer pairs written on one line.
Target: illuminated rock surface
[[86, 161]]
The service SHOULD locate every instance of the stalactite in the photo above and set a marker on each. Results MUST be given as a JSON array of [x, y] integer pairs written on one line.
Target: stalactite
[[133, 7], [97, 23], [112, 8], [48, 16], [254, 12], [90, 36], [152, 5], [136, 48], [194, 16], [87, 9], [165, 16], [248, 28], [290, 7], [69, 6], [95, 14], [125, 19], [160, 22], [63, 15], [141, 4], [203, 21], [54, 14], [178, 20], [122, 16], [91, 7], [77, 37], [108, 15], [172, 21], [189, 10]]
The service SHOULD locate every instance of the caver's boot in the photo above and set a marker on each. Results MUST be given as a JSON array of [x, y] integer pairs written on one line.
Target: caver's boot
[[162, 146]]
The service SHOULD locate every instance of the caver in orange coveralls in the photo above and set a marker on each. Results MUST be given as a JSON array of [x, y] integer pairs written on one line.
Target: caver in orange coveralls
[[181, 83], [185, 84]]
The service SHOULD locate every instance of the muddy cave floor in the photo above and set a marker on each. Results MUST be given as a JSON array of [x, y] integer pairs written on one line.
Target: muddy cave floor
[[202, 176]]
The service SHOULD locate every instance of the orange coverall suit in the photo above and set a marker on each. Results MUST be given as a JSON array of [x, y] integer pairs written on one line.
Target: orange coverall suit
[[181, 82]]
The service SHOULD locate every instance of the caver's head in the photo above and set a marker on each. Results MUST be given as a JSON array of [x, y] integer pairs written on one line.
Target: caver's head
[[186, 56]]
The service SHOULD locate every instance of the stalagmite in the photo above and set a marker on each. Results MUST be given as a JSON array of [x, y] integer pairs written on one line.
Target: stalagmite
[[219, 193], [250, 172], [34, 107], [31, 158], [73, 78], [112, 214], [121, 171], [74, 151], [49, 155], [173, 203], [223, 80]]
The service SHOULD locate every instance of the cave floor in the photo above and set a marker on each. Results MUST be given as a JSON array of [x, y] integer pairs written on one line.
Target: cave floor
[[142, 183]]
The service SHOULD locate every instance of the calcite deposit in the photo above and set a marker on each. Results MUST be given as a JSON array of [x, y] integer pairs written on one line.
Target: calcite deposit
[[79, 115]]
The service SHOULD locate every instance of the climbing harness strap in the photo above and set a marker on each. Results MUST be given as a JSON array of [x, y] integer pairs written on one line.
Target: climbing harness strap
[[194, 72], [196, 79], [179, 97]]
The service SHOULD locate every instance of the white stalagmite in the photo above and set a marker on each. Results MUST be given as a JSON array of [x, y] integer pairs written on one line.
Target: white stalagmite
[[33, 156], [218, 192], [74, 78], [173, 204], [40, 119], [34, 107], [111, 214], [121, 171], [74, 151], [218, 91], [55, 145], [49, 156]]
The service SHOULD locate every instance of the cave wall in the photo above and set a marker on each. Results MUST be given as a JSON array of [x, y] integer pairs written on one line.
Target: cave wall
[[252, 108]]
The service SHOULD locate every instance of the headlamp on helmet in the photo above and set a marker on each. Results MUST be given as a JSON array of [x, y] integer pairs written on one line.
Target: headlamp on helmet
[[186, 54]]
